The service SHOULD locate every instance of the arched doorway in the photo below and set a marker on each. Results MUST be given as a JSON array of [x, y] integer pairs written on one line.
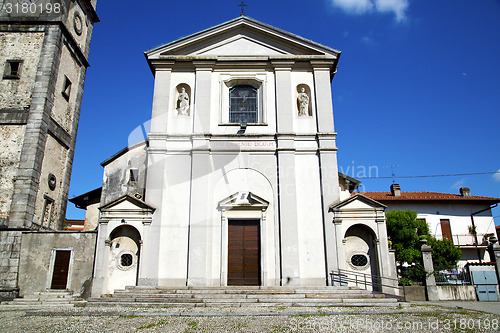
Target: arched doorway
[[123, 265], [361, 252]]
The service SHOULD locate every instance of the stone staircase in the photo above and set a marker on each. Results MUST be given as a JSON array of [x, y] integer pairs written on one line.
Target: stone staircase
[[50, 298], [242, 297]]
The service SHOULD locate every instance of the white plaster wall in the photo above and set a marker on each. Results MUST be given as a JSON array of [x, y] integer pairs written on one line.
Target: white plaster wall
[[169, 190], [310, 220], [456, 293]]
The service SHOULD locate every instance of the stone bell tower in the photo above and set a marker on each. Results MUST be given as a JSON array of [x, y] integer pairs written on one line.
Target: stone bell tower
[[44, 47]]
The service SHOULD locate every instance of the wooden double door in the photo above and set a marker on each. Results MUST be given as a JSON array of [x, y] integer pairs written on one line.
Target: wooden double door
[[243, 253]]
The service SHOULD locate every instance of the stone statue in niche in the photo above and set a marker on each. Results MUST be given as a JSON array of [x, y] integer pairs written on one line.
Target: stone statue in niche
[[303, 100], [183, 102]]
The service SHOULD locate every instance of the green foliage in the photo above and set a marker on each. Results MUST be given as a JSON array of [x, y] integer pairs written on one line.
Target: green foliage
[[405, 233], [445, 255]]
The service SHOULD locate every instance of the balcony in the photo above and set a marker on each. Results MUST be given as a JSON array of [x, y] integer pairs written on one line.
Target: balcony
[[468, 240]]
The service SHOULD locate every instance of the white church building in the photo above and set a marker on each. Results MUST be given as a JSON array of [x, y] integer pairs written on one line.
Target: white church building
[[237, 182]]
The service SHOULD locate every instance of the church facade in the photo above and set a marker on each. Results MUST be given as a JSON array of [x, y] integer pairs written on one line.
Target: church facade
[[237, 183]]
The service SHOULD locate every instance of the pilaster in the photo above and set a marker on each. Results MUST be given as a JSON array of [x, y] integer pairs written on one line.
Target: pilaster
[[283, 84], [161, 98], [324, 104], [202, 96]]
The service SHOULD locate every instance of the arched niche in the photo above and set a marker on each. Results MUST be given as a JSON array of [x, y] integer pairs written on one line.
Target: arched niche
[[360, 248], [183, 99], [304, 89], [123, 265]]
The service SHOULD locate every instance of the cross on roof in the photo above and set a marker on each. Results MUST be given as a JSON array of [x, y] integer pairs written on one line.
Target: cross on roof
[[242, 5]]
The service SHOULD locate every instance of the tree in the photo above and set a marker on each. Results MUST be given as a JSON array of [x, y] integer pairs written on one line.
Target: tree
[[445, 255], [405, 232]]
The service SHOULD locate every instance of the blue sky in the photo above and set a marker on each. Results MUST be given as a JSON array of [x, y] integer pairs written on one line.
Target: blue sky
[[418, 83]]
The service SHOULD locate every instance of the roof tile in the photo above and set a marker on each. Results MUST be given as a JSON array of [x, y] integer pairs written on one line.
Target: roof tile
[[381, 196]]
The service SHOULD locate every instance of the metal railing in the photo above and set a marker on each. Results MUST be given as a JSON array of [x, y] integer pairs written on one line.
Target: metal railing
[[444, 278], [469, 240], [381, 284]]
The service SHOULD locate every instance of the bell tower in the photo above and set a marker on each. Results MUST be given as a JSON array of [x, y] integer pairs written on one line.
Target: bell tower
[[44, 47]]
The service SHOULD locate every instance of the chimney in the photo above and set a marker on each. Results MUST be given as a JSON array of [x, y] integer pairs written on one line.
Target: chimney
[[465, 192], [396, 190]]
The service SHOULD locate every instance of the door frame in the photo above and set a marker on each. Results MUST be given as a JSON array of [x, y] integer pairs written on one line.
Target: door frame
[[50, 273], [225, 243]]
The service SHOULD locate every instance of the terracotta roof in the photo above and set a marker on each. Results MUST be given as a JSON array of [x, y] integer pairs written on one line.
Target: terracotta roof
[[424, 196]]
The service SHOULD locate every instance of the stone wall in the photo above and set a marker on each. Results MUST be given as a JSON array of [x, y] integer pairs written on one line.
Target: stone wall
[[36, 267], [10, 247], [11, 140], [63, 111], [55, 155], [25, 46]]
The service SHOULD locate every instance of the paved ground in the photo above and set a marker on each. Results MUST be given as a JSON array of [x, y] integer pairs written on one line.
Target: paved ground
[[412, 318], [489, 307]]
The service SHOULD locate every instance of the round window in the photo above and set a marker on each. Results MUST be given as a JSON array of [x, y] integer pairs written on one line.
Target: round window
[[359, 260], [126, 260]]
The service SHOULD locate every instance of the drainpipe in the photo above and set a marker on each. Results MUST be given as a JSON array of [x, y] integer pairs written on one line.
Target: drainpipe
[[474, 227]]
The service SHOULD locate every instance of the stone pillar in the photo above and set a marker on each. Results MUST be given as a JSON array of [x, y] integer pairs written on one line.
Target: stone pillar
[[394, 271], [101, 259], [430, 281]]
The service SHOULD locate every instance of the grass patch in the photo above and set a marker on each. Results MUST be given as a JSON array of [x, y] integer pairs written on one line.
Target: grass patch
[[129, 316], [151, 325]]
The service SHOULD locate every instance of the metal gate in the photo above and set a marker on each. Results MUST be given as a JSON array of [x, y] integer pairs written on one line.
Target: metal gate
[[486, 285]]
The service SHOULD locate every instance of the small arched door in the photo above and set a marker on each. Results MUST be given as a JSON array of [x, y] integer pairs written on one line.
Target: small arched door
[[123, 265]]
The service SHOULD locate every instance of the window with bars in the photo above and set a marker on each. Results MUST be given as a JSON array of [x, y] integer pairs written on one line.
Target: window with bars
[[359, 260], [243, 105], [126, 260]]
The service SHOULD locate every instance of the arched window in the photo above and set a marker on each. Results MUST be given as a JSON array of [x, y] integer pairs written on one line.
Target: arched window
[[243, 106]]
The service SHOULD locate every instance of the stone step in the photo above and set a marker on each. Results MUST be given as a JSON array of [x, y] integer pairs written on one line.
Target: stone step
[[239, 291], [239, 304], [242, 296]]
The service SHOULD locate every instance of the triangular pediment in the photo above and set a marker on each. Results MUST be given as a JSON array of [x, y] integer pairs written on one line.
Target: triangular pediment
[[241, 45], [242, 36], [126, 203], [358, 202], [243, 200]]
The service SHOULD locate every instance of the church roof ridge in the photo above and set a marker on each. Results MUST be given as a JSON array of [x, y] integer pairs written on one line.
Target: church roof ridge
[[244, 18]]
